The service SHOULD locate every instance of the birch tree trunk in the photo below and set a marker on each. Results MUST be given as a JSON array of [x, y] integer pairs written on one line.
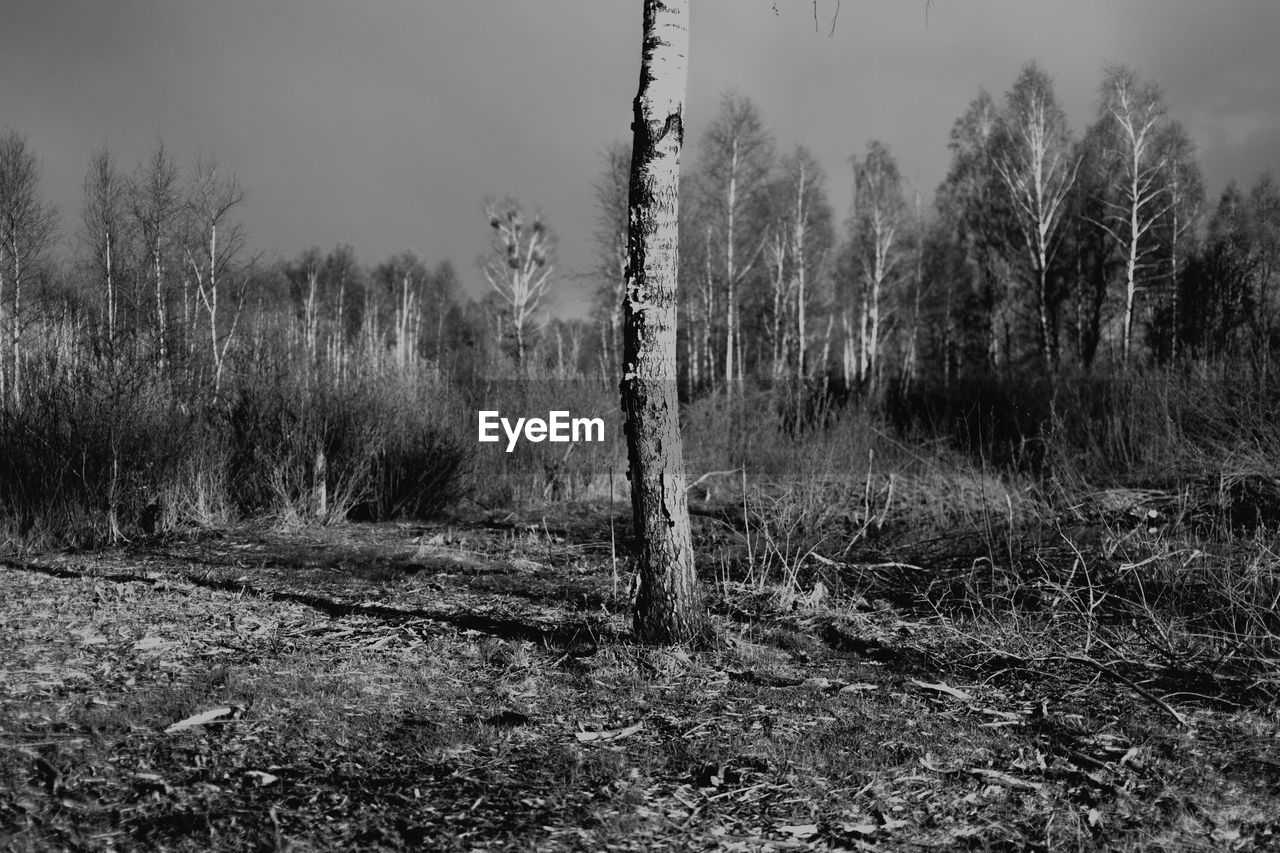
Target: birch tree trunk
[[708, 312], [1135, 114], [1176, 320], [668, 606], [4, 387], [730, 281], [15, 384], [798, 252]]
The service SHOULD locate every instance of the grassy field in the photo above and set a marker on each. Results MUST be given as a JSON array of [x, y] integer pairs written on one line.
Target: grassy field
[[1023, 676]]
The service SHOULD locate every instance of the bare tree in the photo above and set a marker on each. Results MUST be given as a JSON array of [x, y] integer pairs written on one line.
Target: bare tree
[[878, 214], [215, 243], [737, 155], [974, 201], [519, 266], [776, 255], [810, 241], [1133, 113], [305, 277], [796, 249], [611, 249], [27, 226], [103, 219], [1038, 171], [668, 607], [343, 273], [700, 303], [911, 353], [403, 279], [1264, 240], [1186, 199], [155, 207], [439, 295]]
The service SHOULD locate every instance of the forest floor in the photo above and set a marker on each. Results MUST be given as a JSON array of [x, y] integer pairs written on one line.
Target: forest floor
[[473, 685]]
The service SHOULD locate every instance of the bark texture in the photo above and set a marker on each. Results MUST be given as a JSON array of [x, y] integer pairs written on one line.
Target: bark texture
[[668, 605]]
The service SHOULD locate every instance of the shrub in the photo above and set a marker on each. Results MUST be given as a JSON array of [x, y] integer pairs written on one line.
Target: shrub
[[543, 471], [419, 463], [86, 455], [375, 449]]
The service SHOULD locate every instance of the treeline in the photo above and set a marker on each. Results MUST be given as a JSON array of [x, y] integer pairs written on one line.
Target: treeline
[[1046, 252], [162, 372], [160, 269]]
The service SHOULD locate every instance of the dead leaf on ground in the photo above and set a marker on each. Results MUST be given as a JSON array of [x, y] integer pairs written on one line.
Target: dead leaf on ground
[[800, 830], [929, 763], [152, 780], [859, 687], [1012, 782], [88, 636], [152, 642], [213, 715], [940, 687], [608, 734]]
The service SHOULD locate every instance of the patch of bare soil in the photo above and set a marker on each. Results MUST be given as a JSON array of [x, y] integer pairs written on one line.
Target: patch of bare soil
[[474, 687]]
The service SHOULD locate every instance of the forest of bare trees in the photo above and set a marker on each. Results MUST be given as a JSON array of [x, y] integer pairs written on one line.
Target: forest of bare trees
[[1047, 255], [1047, 251]]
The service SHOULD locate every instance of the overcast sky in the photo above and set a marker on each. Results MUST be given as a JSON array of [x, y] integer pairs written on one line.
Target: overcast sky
[[384, 123]]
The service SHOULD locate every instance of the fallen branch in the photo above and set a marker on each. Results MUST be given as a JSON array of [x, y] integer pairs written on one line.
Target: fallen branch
[[214, 715], [1100, 667], [704, 477], [827, 561], [1140, 690], [608, 734], [940, 687]]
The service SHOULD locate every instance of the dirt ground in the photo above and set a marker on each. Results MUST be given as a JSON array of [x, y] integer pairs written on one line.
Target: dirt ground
[[472, 686]]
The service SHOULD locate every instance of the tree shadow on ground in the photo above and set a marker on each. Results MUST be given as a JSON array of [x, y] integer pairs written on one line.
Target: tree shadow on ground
[[572, 634]]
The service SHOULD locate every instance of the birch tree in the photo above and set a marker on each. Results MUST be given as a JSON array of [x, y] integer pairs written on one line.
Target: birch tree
[[215, 242], [668, 608], [777, 265], [1220, 292], [1091, 250], [920, 239], [878, 218], [1038, 171], [305, 277], [737, 155], [345, 275], [27, 226], [438, 297], [611, 190], [974, 202], [811, 239], [154, 207], [1264, 244], [403, 281], [1186, 201], [518, 267], [1133, 113], [795, 251], [103, 220]]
